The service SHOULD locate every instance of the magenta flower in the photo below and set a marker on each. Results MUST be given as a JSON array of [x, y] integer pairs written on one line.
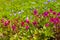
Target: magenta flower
[[51, 10], [35, 12], [27, 27], [6, 23], [22, 23], [58, 14], [27, 20], [54, 13], [34, 23], [47, 24], [51, 19], [13, 27], [45, 14], [54, 20]]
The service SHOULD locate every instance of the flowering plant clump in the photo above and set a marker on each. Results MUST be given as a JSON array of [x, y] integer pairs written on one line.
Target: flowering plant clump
[[26, 20]]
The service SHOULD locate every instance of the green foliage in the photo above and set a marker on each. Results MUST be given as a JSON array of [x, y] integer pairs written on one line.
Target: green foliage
[[20, 9]]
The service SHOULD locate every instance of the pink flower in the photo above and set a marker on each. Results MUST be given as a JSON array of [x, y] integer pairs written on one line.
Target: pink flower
[[27, 27], [6, 23], [51, 10], [34, 23], [13, 27], [22, 23], [27, 20], [58, 14], [47, 24], [35, 12], [54, 20], [54, 13], [45, 14], [51, 19]]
